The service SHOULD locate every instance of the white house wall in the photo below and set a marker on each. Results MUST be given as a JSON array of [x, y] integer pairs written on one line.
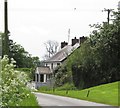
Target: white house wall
[[54, 65]]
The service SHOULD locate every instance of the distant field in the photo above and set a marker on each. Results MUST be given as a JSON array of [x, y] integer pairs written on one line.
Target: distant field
[[106, 94]]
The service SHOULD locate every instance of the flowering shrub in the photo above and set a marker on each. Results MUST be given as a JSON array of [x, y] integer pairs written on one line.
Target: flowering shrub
[[12, 85]]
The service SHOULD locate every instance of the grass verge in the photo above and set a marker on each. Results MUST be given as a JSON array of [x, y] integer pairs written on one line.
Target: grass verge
[[106, 93], [30, 101]]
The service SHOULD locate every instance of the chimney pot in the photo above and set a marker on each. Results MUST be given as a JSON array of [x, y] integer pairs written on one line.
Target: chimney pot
[[82, 39], [63, 44], [74, 41]]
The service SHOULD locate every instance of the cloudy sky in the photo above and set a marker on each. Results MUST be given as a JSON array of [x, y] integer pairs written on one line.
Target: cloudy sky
[[33, 22]]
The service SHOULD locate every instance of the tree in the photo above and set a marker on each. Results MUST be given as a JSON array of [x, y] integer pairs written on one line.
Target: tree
[[99, 57], [97, 61], [23, 58], [51, 48], [36, 61], [5, 44]]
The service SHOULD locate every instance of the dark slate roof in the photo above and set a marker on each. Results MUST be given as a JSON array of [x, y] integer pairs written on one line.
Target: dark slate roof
[[63, 53], [43, 70]]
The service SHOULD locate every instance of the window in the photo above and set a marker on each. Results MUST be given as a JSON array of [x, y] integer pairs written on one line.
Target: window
[[37, 77], [58, 64]]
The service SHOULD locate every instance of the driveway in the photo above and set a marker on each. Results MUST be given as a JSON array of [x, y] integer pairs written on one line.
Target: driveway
[[53, 101]]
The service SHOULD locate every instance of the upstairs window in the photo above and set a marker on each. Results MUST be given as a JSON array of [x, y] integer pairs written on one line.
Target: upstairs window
[[58, 64]]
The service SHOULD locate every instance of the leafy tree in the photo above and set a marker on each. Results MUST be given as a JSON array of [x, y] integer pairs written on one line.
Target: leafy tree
[[97, 61], [23, 58], [5, 43]]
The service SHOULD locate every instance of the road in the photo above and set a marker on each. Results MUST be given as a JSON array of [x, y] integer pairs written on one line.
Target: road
[[53, 101]]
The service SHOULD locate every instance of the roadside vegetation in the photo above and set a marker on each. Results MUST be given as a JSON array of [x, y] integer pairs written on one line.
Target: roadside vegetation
[[30, 101], [92, 72], [16, 70], [13, 86], [97, 61], [106, 93]]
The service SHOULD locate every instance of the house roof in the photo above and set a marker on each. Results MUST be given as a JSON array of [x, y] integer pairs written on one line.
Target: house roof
[[43, 70], [63, 53]]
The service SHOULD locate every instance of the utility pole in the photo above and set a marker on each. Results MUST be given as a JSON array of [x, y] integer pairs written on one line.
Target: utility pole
[[6, 31], [5, 16], [108, 11], [119, 6]]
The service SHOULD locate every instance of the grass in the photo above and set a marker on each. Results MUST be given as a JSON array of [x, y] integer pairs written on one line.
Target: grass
[[30, 101], [106, 94]]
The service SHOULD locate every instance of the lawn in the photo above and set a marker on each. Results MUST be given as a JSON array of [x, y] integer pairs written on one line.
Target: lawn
[[106, 93]]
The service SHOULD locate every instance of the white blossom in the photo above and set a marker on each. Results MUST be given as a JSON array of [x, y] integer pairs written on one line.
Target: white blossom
[[12, 83]]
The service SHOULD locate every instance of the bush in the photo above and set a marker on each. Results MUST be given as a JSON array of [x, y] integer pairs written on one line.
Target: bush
[[24, 69], [28, 71], [29, 101], [13, 84], [66, 86], [45, 88], [97, 61]]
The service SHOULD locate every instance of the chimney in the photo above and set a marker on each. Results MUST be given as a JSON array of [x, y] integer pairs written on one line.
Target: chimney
[[63, 44], [74, 41], [82, 39]]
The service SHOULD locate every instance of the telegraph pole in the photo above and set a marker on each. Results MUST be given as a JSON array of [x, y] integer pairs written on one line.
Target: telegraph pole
[[119, 6], [5, 16], [6, 31], [108, 11]]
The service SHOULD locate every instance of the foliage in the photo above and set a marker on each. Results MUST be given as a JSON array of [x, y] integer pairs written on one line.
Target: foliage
[[97, 61], [30, 101], [66, 86], [12, 83], [5, 43], [13, 50], [61, 75], [17, 52], [28, 71], [23, 58], [44, 88], [24, 69]]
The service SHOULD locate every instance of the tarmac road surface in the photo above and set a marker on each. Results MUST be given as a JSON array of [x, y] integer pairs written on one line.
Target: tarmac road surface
[[53, 101]]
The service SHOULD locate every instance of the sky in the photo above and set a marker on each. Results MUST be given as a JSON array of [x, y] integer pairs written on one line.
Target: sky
[[33, 22]]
